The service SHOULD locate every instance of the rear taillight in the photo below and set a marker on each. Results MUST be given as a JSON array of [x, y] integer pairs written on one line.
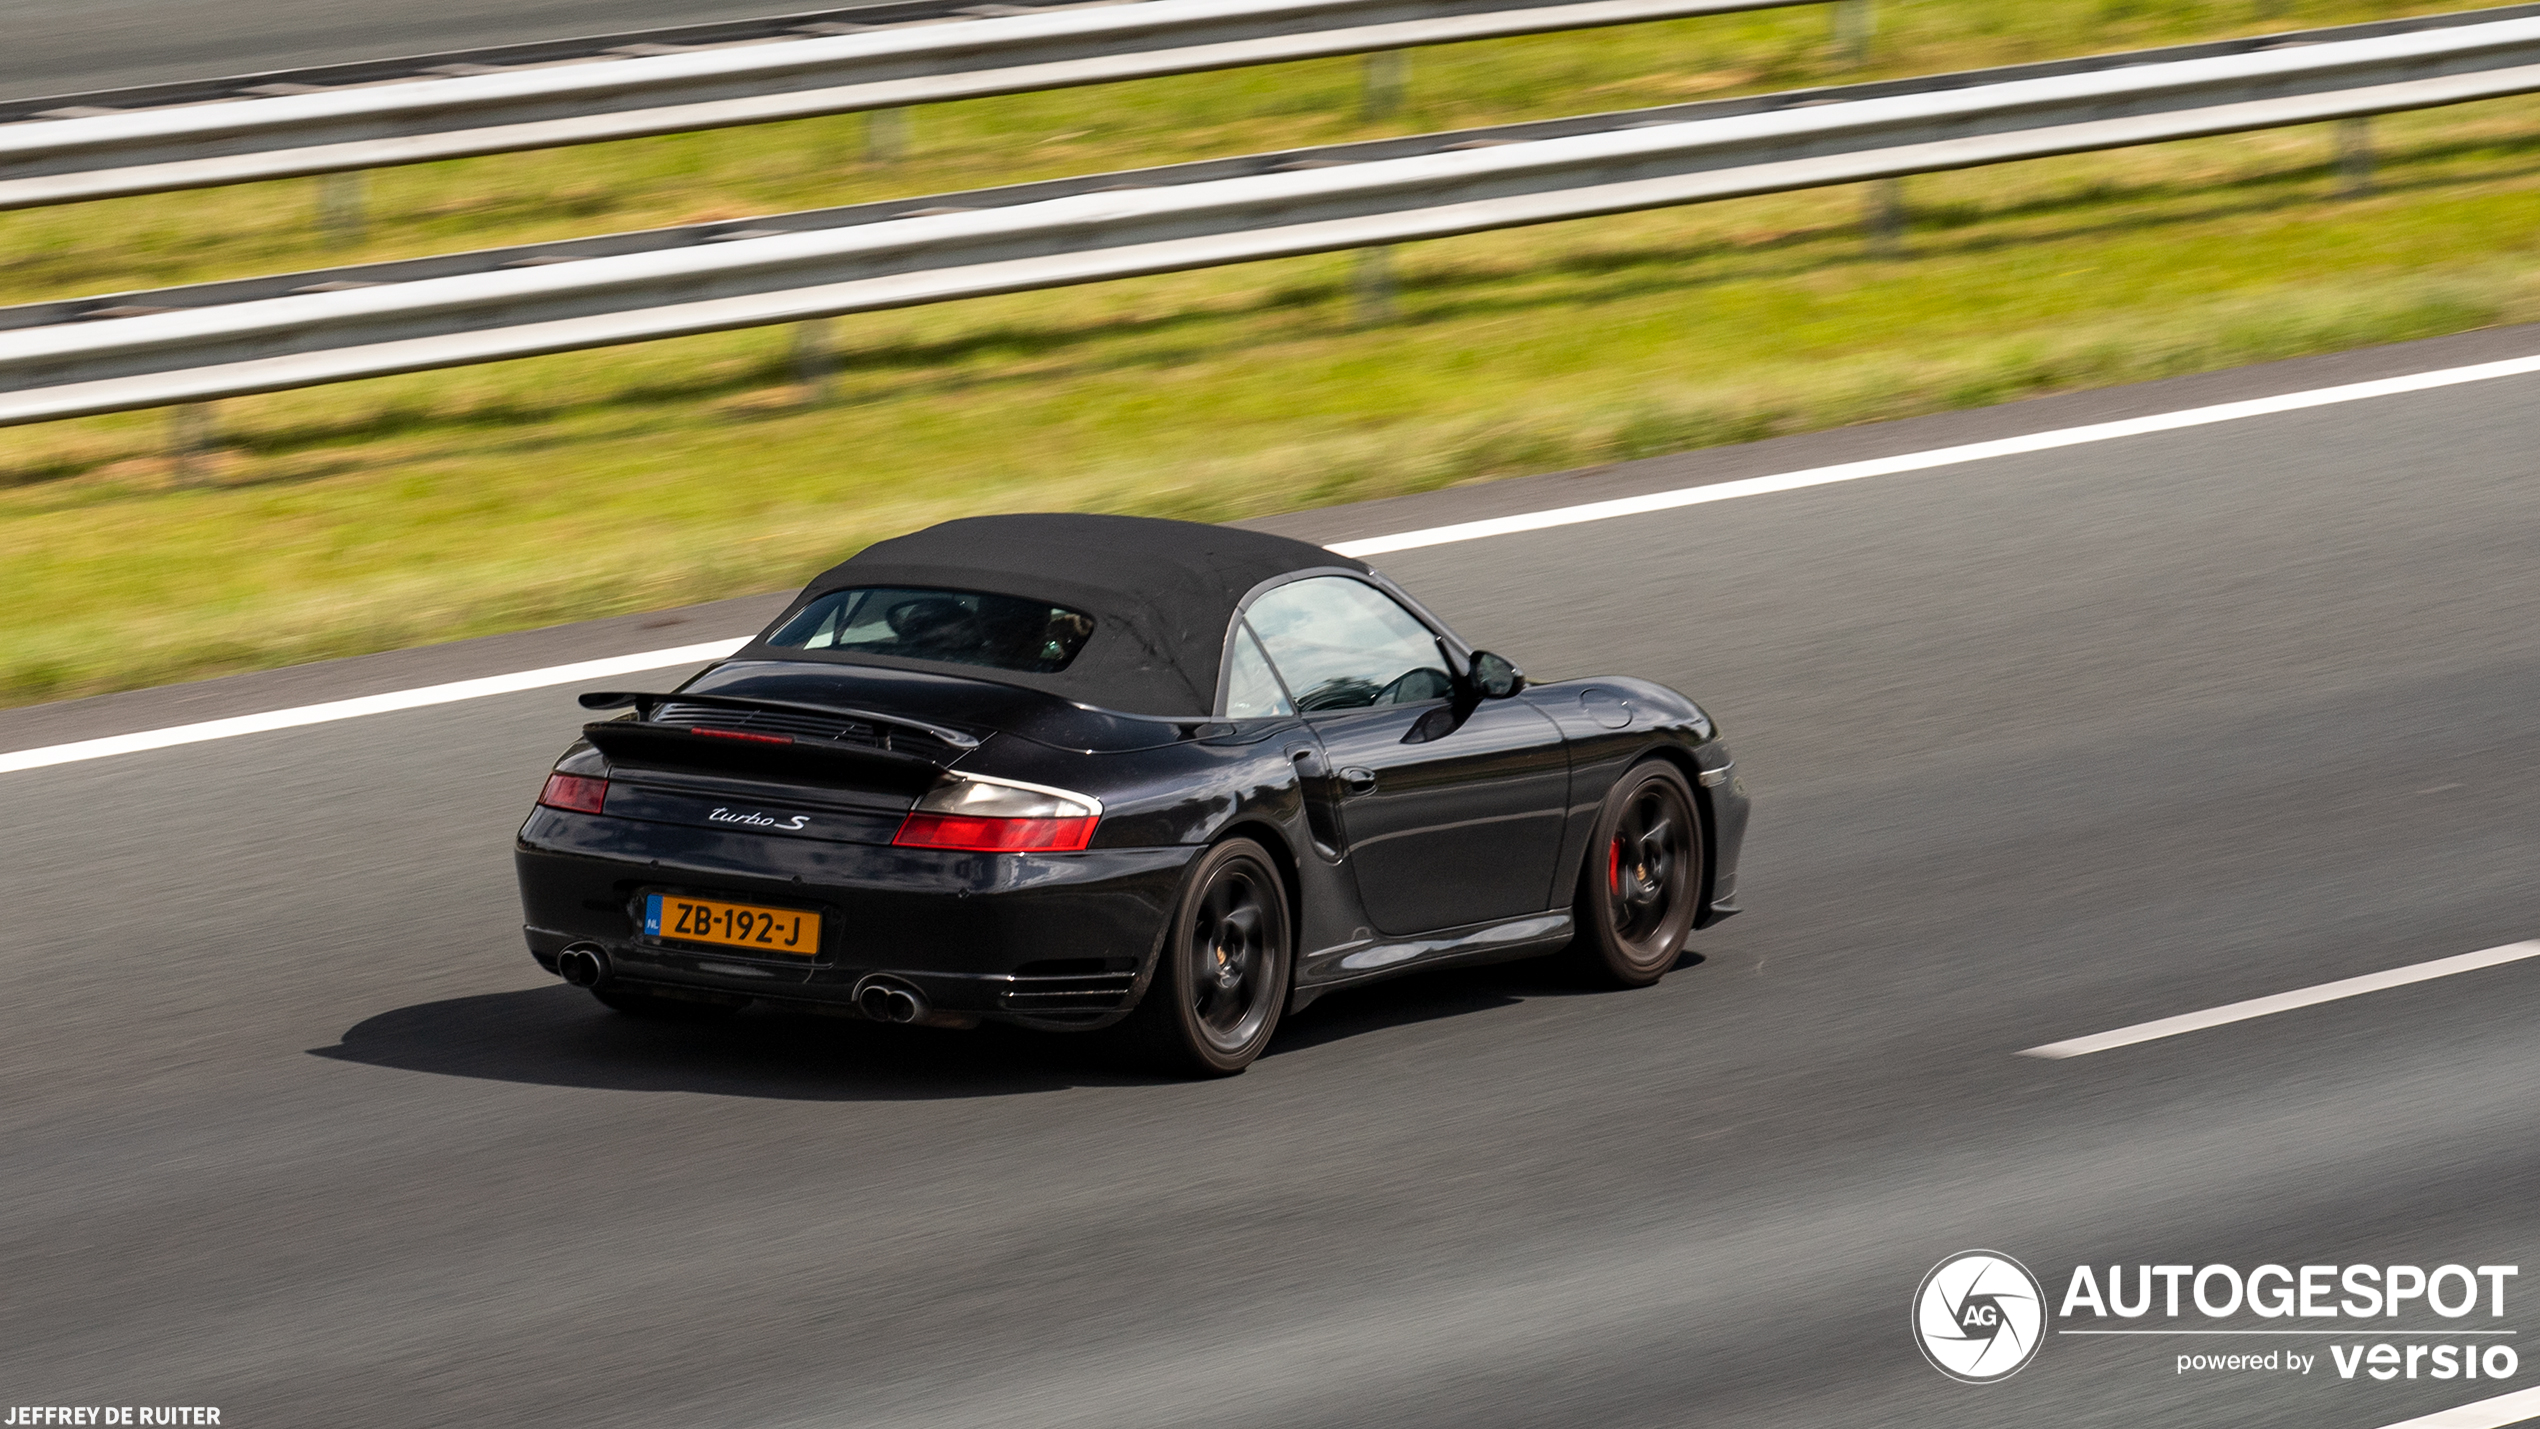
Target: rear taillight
[[577, 792], [956, 831], [994, 816]]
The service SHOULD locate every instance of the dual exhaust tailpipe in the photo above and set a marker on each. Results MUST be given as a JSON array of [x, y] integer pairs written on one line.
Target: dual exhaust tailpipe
[[583, 964], [887, 999]]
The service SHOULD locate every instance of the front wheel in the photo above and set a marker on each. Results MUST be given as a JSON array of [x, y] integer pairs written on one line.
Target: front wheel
[[1222, 975], [1643, 878]]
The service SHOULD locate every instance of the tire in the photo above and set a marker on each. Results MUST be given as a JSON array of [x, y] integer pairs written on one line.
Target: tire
[[656, 1007], [1221, 978], [1642, 883]]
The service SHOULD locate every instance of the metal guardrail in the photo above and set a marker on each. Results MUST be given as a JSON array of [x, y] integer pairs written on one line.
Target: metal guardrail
[[192, 344], [347, 117]]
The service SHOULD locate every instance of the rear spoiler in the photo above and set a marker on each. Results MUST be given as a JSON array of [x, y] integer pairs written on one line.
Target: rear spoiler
[[642, 741], [645, 703]]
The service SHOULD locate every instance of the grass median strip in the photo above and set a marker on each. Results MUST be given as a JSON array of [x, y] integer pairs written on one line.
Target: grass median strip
[[411, 509], [172, 736]]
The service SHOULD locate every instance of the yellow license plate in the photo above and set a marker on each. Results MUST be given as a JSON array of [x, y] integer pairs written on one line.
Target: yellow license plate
[[731, 925]]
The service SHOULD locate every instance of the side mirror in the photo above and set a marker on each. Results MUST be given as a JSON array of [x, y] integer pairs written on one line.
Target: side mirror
[[1493, 678]]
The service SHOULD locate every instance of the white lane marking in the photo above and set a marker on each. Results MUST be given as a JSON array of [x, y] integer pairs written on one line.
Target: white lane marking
[[1938, 457], [365, 705], [2495, 1413], [2287, 1001], [1374, 545]]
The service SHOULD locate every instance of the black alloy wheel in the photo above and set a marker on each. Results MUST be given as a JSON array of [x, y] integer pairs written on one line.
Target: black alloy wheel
[[1222, 976], [1643, 878]]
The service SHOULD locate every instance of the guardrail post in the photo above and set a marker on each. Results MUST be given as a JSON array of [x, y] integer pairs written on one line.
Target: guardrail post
[[1382, 76], [340, 208], [1883, 216], [1854, 23], [815, 360], [1371, 286], [190, 442], [885, 135], [2354, 157]]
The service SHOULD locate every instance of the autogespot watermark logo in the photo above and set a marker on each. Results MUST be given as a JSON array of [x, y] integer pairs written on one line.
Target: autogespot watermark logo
[[1979, 1316]]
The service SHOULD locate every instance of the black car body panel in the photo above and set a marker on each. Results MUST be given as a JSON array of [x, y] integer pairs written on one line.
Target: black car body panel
[[971, 930], [1417, 834]]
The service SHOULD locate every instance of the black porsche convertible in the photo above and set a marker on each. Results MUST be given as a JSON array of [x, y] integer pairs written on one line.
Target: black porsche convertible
[[1082, 772]]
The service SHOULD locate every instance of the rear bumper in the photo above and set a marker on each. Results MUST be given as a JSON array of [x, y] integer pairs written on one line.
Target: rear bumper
[[1051, 939]]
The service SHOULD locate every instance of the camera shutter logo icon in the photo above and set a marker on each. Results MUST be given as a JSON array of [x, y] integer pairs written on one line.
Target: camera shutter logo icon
[[1979, 1316]]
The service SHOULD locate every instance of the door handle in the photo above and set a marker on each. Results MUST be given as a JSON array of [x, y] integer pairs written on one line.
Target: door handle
[[1359, 781]]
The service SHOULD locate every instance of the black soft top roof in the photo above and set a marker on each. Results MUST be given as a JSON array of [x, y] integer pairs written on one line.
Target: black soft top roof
[[1161, 593]]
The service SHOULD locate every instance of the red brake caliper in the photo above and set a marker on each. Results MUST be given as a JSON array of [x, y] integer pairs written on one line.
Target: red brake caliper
[[1614, 867]]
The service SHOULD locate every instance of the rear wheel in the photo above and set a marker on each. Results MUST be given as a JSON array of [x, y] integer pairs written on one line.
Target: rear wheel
[[662, 1007], [1222, 976], [1643, 878]]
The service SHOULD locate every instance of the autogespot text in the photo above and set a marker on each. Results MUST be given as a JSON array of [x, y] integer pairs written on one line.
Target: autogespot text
[[2456, 1346]]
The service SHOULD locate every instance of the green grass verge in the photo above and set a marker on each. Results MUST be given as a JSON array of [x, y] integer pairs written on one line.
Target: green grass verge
[[428, 507]]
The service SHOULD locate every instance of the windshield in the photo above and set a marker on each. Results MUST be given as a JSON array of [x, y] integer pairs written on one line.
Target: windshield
[[958, 627]]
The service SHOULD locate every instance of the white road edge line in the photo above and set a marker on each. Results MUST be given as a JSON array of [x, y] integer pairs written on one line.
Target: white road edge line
[[2286, 1002], [366, 705], [2504, 1409], [1374, 545], [1940, 456]]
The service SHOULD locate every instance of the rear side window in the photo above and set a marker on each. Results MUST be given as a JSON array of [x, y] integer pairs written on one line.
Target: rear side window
[[1341, 644], [956, 627]]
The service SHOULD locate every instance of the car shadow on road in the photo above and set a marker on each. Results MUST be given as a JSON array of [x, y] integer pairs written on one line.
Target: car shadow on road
[[1427, 997], [557, 1036]]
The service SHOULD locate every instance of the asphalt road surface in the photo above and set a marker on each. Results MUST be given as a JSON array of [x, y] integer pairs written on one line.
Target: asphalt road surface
[[71, 46], [2041, 747]]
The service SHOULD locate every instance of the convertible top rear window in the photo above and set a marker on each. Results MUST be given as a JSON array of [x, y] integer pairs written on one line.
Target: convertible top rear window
[[957, 627]]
